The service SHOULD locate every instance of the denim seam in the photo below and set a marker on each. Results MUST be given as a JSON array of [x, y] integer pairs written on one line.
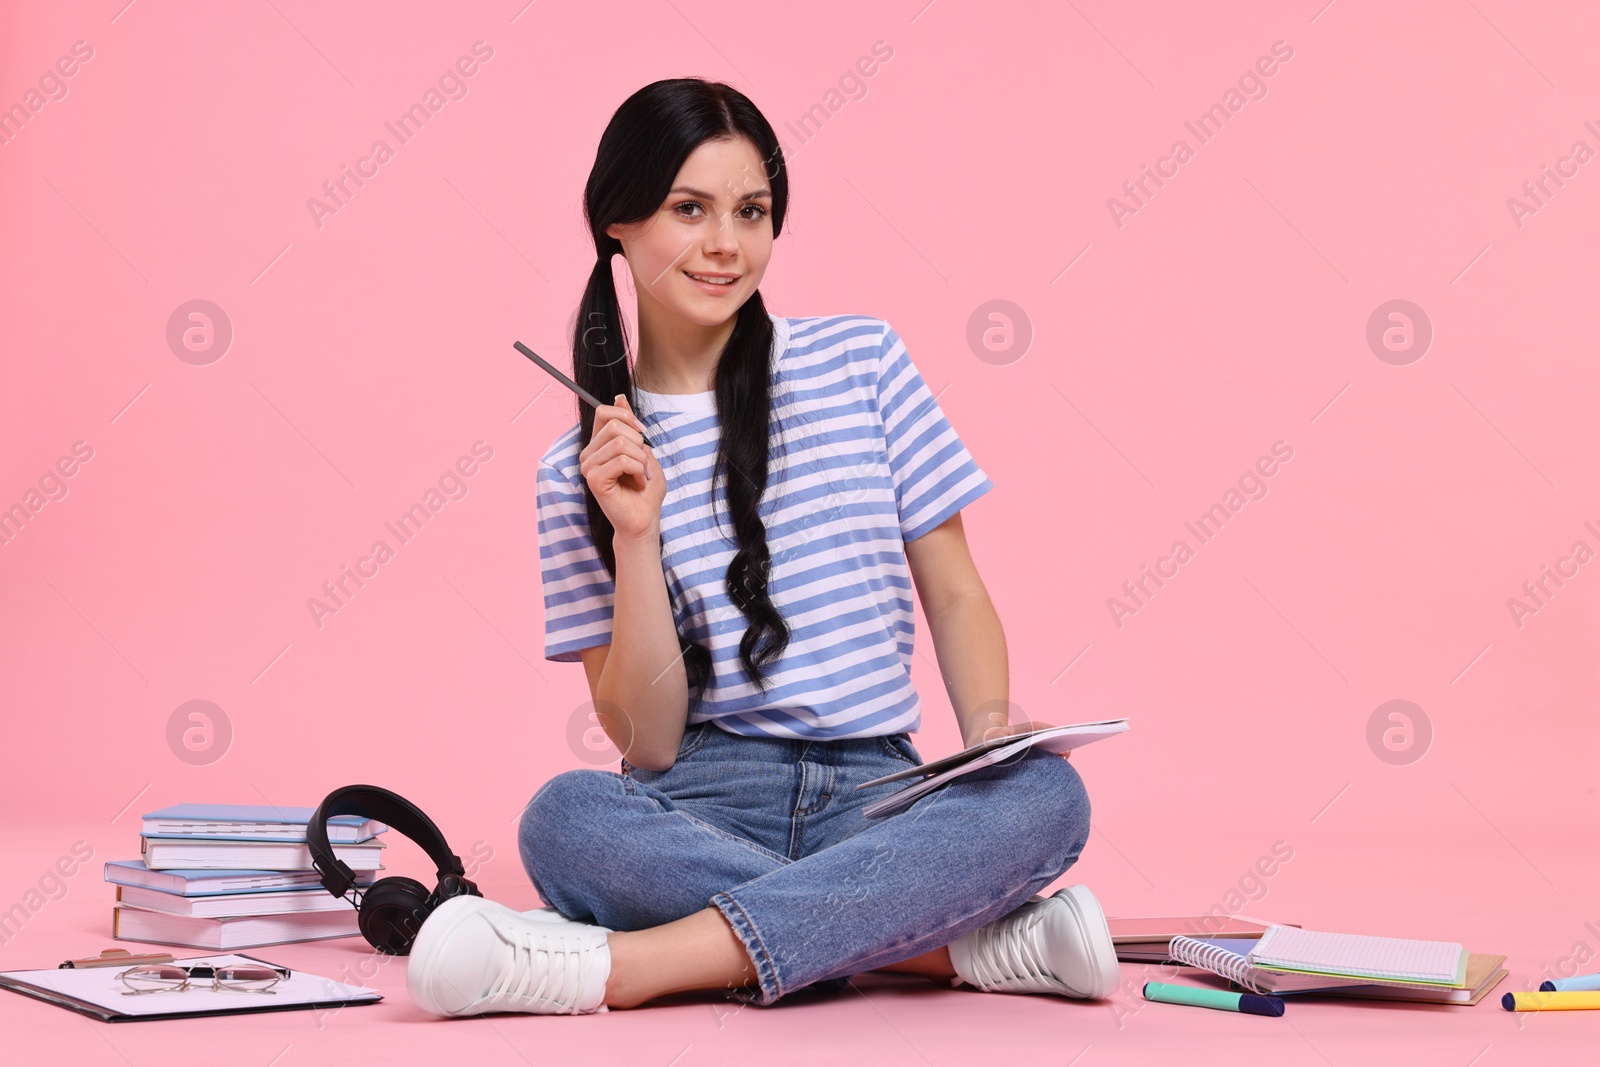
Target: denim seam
[[797, 816], [801, 791], [745, 928], [735, 838], [635, 788], [827, 789], [822, 799], [888, 747], [699, 737]]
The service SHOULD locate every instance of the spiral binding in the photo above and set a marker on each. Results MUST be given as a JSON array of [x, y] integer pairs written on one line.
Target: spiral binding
[[1213, 958]]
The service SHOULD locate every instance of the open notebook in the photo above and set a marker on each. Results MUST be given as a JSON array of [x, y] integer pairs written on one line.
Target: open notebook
[[1057, 739], [1231, 958]]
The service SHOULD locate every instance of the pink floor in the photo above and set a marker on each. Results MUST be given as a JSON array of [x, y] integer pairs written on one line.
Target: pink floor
[[1477, 881]]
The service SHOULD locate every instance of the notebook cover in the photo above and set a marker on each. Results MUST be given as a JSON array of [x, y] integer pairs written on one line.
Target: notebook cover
[[1267, 945], [985, 754], [982, 748]]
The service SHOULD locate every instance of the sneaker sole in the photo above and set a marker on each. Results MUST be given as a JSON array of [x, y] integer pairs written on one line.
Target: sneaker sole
[[1091, 919]]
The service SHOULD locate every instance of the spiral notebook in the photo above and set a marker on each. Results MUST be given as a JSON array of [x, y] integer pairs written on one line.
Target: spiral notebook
[[1231, 958], [1377, 959]]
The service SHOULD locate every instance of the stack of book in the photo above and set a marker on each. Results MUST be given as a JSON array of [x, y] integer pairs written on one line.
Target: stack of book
[[230, 876], [1285, 960]]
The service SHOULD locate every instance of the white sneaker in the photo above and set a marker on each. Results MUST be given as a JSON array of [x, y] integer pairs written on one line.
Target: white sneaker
[[1058, 944], [473, 956]]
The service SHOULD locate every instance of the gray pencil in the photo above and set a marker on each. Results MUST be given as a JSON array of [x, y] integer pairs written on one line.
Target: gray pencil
[[583, 394]]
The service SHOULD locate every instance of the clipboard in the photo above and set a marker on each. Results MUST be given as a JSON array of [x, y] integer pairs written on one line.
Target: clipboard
[[98, 993]]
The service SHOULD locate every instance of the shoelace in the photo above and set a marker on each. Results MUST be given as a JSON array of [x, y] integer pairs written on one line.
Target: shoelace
[[1010, 943], [556, 988]]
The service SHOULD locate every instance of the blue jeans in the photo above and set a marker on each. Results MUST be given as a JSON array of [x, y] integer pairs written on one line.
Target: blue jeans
[[770, 831]]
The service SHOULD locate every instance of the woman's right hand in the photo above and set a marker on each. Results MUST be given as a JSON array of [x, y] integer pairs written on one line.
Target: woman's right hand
[[623, 475]]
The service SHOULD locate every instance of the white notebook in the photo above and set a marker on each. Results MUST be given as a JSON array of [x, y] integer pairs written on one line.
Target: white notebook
[[1395, 959], [1057, 739]]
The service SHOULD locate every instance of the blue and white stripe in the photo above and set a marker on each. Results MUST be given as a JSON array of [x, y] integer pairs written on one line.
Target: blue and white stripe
[[862, 460]]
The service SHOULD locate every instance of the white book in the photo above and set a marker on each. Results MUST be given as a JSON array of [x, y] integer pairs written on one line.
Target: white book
[[223, 935], [1057, 739], [164, 853], [210, 881], [226, 905]]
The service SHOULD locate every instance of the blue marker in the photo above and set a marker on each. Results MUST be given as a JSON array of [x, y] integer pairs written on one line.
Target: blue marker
[[1577, 983]]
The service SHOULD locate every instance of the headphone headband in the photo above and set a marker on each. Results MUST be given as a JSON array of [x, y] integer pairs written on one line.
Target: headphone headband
[[389, 808]]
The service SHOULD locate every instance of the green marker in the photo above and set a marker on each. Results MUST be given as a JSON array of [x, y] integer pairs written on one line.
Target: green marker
[[1248, 1003]]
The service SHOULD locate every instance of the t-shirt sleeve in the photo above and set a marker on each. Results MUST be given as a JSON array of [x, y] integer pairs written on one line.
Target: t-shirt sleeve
[[934, 474], [578, 590]]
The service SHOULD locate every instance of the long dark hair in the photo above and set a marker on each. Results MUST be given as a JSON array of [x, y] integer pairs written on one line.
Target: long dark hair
[[643, 148]]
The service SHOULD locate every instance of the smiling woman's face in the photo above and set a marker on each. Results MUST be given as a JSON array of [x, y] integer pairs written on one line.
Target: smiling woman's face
[[715, 223]]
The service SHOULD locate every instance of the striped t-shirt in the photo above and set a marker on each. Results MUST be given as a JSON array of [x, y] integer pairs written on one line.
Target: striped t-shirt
[[861, 460]]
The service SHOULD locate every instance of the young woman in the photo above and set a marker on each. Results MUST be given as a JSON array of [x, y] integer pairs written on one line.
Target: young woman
[[739, 591]]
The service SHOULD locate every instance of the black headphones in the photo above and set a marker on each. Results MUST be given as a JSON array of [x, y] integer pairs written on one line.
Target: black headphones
[[392, 909]]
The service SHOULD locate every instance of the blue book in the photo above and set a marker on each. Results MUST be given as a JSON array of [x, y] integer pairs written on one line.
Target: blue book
[[253, 822], [205, 883]]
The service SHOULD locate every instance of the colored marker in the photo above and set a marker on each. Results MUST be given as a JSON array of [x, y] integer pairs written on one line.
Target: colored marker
[[1577, 983], [1249, 1003], [1557, 1001]]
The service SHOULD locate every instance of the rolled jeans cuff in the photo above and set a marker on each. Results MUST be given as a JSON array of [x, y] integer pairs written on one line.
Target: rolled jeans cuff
[[766, 970]]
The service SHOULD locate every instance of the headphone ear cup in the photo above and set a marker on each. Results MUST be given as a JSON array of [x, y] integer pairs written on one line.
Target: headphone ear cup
[[392, 912], [453, 885]]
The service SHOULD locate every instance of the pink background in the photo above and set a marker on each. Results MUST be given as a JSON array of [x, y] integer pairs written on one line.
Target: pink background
[[1168, 353]]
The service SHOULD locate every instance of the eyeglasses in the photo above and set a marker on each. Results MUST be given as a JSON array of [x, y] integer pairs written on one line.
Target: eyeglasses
[[170, 978]]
